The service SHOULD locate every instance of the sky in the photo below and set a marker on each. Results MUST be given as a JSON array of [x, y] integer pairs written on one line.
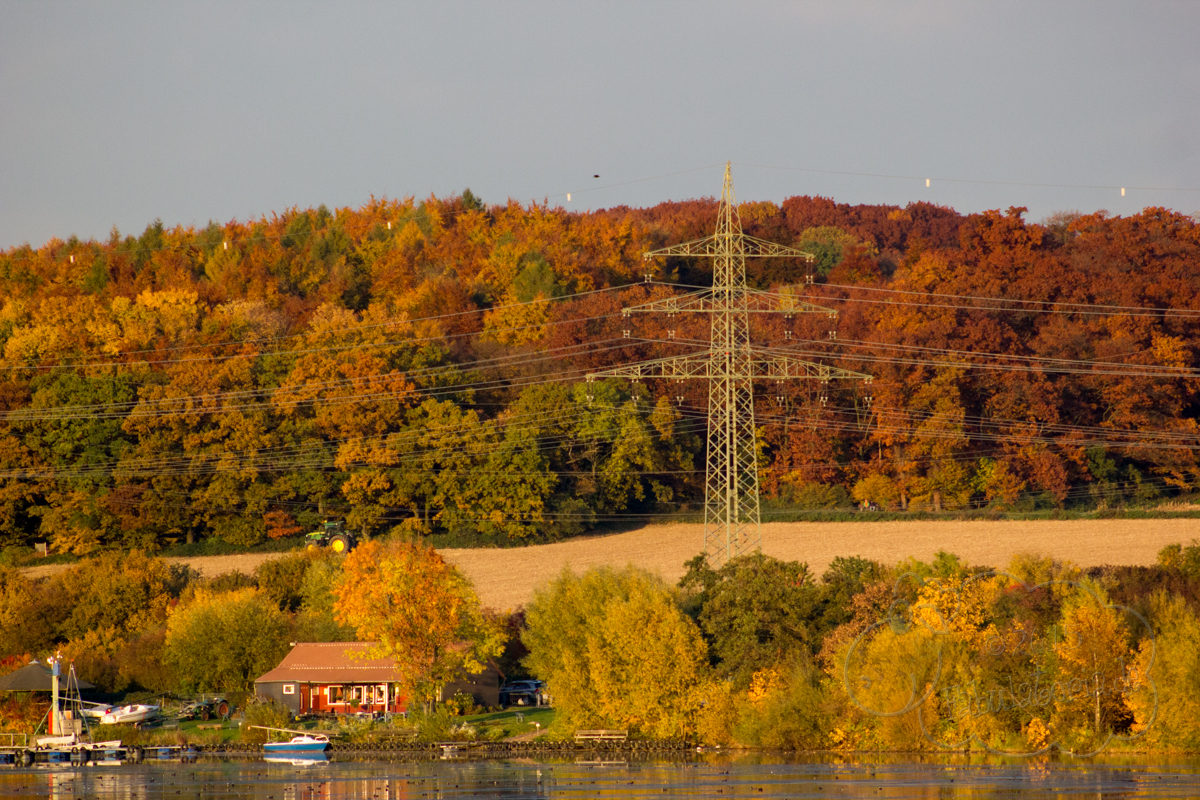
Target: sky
[[120, 113]]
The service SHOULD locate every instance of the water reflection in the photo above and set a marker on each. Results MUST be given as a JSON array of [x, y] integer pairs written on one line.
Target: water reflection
[[721, 778]]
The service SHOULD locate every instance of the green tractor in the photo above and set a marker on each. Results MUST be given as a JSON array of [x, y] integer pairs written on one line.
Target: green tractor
[[332, 536]]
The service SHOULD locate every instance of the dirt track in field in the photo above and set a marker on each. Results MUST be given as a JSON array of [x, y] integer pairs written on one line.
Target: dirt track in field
[[506, 578]]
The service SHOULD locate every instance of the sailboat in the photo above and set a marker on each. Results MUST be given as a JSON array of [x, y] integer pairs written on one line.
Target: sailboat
[[301, 742], [67, 724]]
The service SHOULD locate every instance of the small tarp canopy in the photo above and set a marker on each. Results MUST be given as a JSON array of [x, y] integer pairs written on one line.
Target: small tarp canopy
[[35, 677]]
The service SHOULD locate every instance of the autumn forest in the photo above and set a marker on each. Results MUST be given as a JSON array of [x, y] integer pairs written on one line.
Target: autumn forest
[[419, 365]]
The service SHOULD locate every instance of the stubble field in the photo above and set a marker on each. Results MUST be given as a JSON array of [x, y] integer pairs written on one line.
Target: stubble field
[[506, 578]]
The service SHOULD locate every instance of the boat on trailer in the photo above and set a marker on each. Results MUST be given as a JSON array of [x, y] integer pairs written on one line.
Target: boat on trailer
[[130, 715]]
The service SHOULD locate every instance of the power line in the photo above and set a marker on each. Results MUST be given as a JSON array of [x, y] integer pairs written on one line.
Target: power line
[[1070, 309]]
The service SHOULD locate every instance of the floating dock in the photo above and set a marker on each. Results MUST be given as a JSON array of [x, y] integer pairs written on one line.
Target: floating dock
[[99, 756]]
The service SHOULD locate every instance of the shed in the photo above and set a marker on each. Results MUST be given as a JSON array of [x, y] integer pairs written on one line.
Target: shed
[[35, 677]]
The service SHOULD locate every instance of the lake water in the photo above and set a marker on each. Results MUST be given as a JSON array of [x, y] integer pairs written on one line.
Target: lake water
[[756, 776]]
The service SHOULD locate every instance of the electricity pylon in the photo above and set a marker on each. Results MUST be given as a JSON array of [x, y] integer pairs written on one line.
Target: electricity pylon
[[732, 525]]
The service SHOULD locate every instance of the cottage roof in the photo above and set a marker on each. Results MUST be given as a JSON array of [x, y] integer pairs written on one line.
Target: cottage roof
[[332, 662], [35, 677]]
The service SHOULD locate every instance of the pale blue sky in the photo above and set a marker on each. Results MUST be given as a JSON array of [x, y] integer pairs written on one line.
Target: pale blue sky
[[117, 113]]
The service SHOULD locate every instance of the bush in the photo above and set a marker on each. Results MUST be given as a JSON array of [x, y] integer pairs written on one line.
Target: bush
[[876, 488], [282, 579], [462, 704], [268, 714], [809, 496], [440, 725], [786, 713]]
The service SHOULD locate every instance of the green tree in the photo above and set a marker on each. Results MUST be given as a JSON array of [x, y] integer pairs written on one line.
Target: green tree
[[845, 578], [829, 244], [757, 611], [315, 621], [222, 642], [282, 579], [80, 444]]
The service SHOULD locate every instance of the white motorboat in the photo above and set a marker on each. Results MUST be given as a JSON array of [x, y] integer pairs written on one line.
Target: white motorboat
[[130, 715], [94, 710]]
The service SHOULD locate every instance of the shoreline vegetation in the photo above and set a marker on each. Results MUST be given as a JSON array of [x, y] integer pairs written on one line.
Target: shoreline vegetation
[[913, 656]]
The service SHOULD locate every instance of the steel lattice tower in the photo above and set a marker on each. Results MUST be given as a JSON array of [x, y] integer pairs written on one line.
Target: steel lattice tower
[[732, 524]]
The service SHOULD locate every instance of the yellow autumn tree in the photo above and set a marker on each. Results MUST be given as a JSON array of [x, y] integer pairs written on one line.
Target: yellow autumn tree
[[422, 612], [616, 651], [1165, 706], [1093, 680], [646, 660]]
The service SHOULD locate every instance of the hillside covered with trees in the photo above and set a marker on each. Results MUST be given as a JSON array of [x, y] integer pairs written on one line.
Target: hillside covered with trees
[[419, 365]]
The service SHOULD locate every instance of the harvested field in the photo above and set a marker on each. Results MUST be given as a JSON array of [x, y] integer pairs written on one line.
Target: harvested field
[[506, 578]]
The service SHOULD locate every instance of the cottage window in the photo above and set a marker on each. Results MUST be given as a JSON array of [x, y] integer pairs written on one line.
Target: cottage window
[[289, 688], [334, 693]]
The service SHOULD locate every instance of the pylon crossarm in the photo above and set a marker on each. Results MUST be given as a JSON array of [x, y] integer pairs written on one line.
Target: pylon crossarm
[[785, 302], [704, 301], [706, 247], [760, 248], [700, 300], [777, 367], [693, 365], [739, 244]]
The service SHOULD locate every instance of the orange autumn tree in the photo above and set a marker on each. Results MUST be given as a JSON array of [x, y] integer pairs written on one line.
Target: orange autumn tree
[[422, 612]]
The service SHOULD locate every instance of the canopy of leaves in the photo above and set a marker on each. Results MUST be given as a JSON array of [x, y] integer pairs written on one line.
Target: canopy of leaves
[[616, 651], [421, 611], [756, 611], [222, 642]]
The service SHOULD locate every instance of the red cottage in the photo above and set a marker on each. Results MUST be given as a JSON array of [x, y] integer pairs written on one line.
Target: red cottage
[[336, 678]]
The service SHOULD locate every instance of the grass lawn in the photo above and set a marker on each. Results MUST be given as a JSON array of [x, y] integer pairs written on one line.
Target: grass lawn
[[172, 732], [511, 722]]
